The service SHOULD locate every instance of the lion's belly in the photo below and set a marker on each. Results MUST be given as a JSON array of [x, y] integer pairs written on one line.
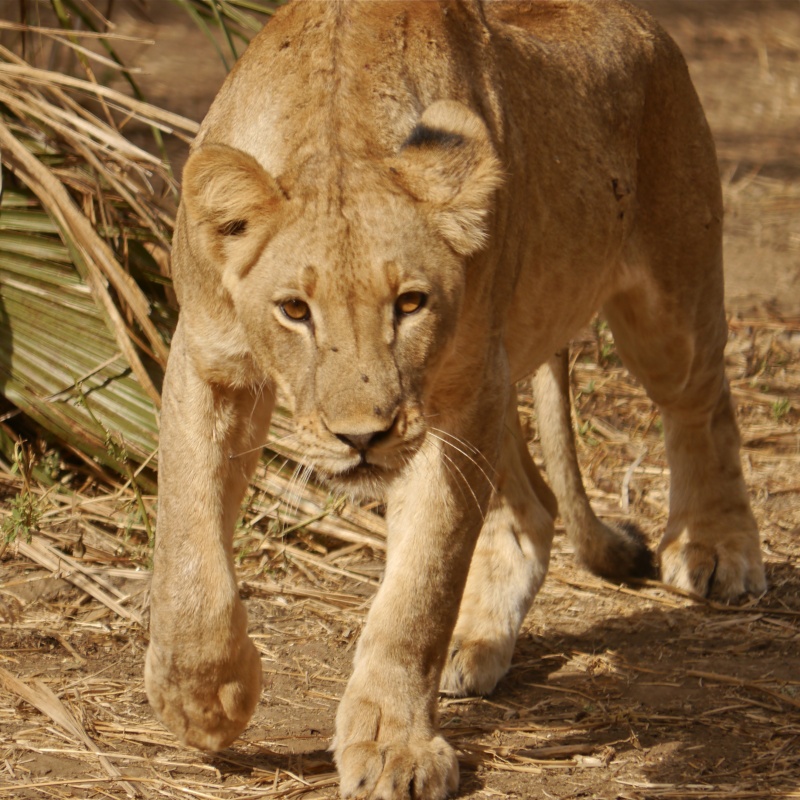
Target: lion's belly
[[572, 253], [549, 307]]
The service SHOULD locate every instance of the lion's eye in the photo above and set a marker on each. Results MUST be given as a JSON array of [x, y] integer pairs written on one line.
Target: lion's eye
[[410, 302], [296, 310]]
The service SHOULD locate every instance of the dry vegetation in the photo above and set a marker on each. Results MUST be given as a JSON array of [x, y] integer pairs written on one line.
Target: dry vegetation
[[615, 692]]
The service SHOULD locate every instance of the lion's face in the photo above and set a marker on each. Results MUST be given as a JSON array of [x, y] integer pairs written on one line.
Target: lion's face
[[349, 308], [349, 317]]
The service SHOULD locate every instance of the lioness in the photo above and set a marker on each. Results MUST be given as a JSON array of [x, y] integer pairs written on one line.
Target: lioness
[[392, 213]]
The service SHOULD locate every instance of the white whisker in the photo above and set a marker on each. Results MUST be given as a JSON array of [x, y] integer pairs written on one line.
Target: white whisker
[[446, 458], [267, 443], [291, 497], [434, 433]]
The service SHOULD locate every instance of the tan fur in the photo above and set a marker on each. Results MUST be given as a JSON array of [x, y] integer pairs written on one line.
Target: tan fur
[[510, 168]]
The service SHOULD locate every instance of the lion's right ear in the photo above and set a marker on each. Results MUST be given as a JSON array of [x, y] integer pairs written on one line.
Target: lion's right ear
[[449, 165], [234, 204]]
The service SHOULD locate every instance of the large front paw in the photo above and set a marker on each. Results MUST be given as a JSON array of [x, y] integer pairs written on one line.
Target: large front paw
[[383, 755], [206, 702], [726, 568]]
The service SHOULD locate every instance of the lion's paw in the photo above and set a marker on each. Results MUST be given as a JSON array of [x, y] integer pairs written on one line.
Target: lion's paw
[[416, 770], [386, 746], [206, 705], [475, 667], [725, 570]]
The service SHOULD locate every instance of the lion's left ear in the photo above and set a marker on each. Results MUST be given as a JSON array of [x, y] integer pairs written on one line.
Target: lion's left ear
[[448, 163]]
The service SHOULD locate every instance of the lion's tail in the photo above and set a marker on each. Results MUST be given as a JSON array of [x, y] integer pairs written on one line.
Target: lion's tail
[[614, 552]]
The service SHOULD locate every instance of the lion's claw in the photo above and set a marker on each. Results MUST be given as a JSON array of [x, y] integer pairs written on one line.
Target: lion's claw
[[475, 667], [725, 569], [417, 770]]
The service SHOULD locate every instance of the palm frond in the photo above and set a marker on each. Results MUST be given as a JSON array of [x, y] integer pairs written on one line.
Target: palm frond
[[86, 314], [234, 19]]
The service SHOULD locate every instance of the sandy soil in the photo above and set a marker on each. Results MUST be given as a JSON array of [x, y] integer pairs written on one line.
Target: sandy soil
[[615, 692]]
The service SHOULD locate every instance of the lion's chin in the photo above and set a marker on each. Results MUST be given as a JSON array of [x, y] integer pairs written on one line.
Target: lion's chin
[[361, 482]]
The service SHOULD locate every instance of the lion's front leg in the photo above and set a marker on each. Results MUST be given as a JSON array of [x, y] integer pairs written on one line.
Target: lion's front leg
[[508, 567], [387, 745], [202, 674]]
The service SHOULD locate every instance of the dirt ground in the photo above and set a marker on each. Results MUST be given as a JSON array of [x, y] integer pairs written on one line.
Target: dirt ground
[[624, 693]]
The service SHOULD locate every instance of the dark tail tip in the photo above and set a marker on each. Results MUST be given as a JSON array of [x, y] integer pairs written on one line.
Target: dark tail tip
[[620, 553], [641, 559]]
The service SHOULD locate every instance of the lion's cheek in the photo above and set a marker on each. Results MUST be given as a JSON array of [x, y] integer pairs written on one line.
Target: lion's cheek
[[424, 353], [269, 344]]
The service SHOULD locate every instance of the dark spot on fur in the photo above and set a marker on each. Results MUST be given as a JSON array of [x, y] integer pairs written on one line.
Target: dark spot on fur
[[365, 378], [284, 187], [235, 227], [334, 349], [423, 136]]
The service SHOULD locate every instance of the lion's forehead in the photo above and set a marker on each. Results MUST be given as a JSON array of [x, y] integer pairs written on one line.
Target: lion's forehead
[[368, 250]]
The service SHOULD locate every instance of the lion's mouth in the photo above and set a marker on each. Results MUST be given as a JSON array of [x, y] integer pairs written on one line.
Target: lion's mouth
[[365, 474], [363, 479]]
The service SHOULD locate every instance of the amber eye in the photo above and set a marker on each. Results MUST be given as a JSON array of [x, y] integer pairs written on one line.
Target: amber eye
[[410, 302], [296, 310]]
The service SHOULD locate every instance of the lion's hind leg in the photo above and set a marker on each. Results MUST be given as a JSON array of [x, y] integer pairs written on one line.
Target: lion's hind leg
[[669, 326], [508, 567], [711, 543]]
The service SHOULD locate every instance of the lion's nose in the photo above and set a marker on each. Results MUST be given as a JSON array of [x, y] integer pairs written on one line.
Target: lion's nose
[[363, 441]]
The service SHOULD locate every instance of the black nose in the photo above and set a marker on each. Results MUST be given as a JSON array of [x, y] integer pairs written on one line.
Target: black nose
[[363, 441]]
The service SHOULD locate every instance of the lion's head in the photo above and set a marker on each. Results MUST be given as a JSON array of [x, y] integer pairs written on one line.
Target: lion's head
[[344, 282]]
